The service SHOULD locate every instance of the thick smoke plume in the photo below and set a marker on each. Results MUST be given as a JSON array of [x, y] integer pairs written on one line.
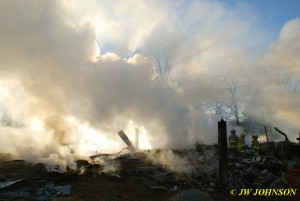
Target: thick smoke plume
[[72, 74]]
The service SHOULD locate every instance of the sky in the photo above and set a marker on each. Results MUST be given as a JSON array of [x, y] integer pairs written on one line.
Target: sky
[[73, 73], [279, 11], [274, 14]]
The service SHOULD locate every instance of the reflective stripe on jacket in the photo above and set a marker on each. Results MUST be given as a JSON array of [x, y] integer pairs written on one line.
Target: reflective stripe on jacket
[[241, 145], [233, 141]]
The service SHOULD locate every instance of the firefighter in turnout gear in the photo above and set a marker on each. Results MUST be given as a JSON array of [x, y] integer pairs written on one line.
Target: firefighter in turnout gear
[[255, 145], [233, 139], [241, 146]]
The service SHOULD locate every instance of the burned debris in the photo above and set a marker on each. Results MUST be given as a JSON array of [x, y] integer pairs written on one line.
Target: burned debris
[[283, 150], [271, 168], [176, 174], [124, 137], [24, 181]]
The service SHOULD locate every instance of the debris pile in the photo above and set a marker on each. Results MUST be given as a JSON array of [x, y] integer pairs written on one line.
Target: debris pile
[[161, 169], [174, 171], [20, 180], [171, 171], [258, 172], [201, 170]]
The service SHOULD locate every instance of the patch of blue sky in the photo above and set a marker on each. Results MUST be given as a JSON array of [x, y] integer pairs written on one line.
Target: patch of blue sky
[[273, 14]]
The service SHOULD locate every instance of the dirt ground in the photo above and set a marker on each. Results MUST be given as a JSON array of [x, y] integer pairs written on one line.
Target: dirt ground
[[104, 189], [127, 189]]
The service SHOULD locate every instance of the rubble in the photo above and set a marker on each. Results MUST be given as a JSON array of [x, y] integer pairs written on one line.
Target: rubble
[[36, 182], [145, 168], [4, 183], [36, 190], [164, 170], [284, 150], [256, 172], [32, 182]]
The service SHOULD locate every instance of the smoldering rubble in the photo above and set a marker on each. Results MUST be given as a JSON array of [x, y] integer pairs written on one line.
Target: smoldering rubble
[[173, 171]]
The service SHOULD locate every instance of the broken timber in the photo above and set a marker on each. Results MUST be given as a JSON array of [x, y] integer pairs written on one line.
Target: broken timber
[[282, 133], [266, 134], [124, 137]]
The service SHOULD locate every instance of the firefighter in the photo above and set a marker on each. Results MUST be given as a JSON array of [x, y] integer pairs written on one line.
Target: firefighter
[[233, 142], [241, 146], [255, 145]]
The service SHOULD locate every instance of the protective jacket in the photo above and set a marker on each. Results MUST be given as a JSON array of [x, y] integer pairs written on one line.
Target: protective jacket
[[241, 146], [255, 147], [233, 139]]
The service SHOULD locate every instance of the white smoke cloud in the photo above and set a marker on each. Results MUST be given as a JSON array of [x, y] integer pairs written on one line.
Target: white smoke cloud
[[50, 51], [284, 52], [283, 93]]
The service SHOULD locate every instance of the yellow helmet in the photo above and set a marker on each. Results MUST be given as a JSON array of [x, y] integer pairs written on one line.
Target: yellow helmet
[[243, 134]]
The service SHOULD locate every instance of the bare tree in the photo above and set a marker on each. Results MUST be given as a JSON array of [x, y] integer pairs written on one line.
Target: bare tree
[[6, 120], [164, 56], [244, 99], [286, 79], [217, 108], [289, 81], [233, 88], [164, 60], [229, 104]]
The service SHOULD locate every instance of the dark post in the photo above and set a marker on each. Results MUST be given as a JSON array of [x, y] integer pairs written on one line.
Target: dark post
[[299, 137], [266, 134], [222, 140]]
